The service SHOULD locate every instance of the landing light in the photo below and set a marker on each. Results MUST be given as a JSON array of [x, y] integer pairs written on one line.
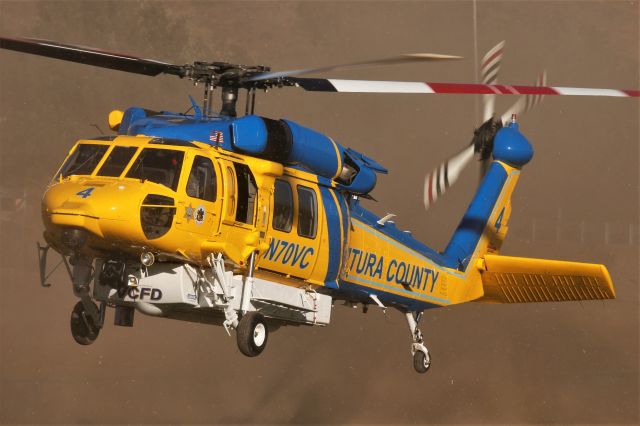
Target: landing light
[[147, 258]]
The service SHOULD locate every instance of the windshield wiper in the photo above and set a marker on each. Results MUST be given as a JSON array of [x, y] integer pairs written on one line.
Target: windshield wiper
[[139, 169], [78, 167]]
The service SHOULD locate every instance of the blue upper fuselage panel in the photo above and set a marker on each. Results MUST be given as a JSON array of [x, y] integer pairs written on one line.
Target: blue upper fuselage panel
[[281, 141], [214, 130]]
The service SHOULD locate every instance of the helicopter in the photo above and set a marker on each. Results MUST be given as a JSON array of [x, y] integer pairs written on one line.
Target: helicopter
[[253, 223]]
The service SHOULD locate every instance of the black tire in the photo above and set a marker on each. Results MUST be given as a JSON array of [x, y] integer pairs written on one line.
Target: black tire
[[421, 362], [252, 334], [83, 334]]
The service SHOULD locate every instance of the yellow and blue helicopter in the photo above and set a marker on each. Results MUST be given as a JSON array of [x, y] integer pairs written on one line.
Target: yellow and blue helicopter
[[253, 223]]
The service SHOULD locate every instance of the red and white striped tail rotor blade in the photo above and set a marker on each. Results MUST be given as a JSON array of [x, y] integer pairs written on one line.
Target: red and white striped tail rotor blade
[[441, 178], [489, 68], [490, 64], [375, 86], [527, 102]]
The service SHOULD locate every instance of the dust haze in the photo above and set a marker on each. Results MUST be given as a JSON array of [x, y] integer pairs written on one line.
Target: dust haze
[[577, 200]]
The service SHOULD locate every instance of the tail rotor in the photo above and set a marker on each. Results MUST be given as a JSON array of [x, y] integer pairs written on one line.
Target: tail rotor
[[489, 68], [448, 172], [528, 102]]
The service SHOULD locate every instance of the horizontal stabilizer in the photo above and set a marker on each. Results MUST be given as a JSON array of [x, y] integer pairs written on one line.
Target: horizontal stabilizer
[[523, 280]]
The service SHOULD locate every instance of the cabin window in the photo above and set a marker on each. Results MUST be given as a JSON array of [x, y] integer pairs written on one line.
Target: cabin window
[[247, 192], [307, 212], [83, 160], [117, 161], [282, 206], [202, 180], [158, 165]]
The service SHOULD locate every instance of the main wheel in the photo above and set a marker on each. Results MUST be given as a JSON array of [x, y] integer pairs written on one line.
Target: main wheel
[[83, 332], [421, 361], [252, 334]]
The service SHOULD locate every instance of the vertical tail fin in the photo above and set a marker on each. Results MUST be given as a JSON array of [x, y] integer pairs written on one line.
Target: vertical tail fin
[[484, 225]]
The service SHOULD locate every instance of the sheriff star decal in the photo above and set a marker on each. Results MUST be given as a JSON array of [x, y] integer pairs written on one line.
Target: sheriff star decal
[[188, 212]]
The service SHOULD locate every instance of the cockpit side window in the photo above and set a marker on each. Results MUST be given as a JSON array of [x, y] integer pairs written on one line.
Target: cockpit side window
[[202, 181], [117, 161], [158, 165], [307, 212], [247, 192], [282, 206], [83, 160]]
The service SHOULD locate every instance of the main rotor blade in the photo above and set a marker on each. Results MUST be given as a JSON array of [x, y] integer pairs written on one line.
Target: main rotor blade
[[400, 59], [89, 56], [374, 86]]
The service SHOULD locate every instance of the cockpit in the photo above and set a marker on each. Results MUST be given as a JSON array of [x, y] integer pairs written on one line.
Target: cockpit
[[160, 164], [193, 200]]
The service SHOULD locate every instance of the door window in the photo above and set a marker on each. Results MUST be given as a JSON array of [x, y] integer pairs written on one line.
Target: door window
[[282, 206], [202, 181], [307, 212], [247, 192]]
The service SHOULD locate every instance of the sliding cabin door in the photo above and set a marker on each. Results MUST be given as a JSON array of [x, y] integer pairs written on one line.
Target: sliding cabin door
[[294, 230]]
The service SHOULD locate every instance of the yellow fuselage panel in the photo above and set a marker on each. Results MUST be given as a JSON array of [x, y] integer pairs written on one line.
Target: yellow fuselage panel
[[291, 253], [379, 263]]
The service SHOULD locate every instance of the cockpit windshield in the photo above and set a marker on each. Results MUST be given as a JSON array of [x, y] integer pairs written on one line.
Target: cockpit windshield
[[83, 160], [117, 161], [158, 165]]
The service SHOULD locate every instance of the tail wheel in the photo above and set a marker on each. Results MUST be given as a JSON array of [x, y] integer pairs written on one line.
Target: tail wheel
[[252, 334], [421, 361], [83, 329]]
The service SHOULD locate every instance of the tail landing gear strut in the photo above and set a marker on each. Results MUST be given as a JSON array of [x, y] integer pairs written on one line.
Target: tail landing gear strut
[[421, 357]]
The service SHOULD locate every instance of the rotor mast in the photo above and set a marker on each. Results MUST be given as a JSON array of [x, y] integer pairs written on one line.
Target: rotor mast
[[230, 78]]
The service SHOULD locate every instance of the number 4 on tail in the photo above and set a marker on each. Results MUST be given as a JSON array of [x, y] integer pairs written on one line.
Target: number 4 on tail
[[85, 192]]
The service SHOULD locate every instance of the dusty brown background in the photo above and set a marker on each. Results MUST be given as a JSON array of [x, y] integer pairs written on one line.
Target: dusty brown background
[[561, 363]]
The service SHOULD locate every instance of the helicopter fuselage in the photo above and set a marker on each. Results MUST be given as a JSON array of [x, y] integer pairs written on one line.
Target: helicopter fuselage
[[253, 223], [121, 197]]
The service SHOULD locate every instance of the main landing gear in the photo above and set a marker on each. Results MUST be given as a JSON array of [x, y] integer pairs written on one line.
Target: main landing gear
[[421, 357], [252, 331], [252, 334]]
